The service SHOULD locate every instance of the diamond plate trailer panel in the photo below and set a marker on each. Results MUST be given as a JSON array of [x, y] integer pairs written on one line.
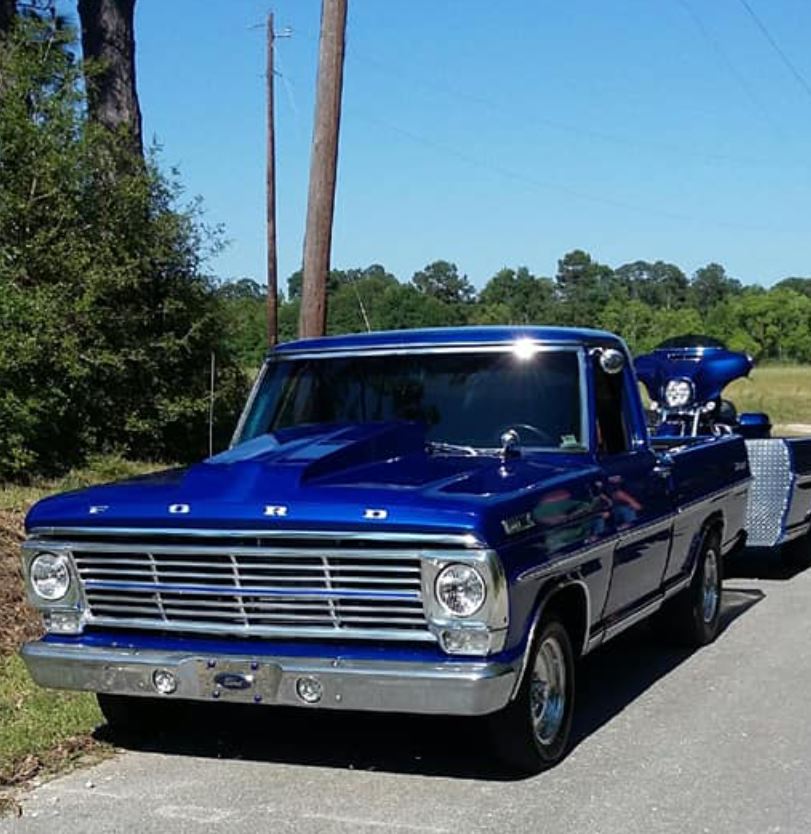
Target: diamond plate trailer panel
[[779, 505]]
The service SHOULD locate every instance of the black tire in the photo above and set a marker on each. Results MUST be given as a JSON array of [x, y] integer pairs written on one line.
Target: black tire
[[693, 617], [131, 714], [516, 735]]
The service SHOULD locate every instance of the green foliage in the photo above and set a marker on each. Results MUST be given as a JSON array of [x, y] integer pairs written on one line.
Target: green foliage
[[107, 321], [645, 302], [584, 287], [657, 284], [519, 296], [712, 286], [441, 280]]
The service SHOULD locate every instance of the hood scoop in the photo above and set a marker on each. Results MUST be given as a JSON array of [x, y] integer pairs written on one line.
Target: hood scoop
[[297, 457]]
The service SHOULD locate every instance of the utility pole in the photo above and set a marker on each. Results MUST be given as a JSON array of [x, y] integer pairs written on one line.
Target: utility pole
[[272, 262], [323, 167]]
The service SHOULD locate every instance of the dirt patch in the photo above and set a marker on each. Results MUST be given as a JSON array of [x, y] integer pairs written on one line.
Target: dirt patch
[[18, 621], [75, 752], [64, 755]]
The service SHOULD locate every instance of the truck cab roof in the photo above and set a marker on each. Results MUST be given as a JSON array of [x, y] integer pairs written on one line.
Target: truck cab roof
[[427, 338]]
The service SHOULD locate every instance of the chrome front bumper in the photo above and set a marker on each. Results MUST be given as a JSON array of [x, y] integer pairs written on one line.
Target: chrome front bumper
[[378, 686]]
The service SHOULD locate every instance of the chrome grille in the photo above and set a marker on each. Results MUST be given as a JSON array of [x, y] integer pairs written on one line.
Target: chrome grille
[[254, 590]]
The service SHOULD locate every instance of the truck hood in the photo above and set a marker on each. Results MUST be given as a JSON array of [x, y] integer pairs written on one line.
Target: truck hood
[[373, 477]]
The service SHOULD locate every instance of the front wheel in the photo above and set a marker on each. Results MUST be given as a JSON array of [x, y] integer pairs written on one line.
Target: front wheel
[[532, 732], [693, 617]]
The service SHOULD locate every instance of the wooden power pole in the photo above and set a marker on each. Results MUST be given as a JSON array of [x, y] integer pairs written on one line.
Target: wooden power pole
[[272, 260], [323, 167]]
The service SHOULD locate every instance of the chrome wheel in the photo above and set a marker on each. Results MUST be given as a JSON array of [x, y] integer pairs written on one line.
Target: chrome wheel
[[547, 693], [710, 592]]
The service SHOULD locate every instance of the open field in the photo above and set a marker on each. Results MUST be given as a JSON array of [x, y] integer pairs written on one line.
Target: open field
[[782, 391], [39, 730]]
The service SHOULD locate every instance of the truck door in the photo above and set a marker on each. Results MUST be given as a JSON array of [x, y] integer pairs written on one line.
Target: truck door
[[637, 502]]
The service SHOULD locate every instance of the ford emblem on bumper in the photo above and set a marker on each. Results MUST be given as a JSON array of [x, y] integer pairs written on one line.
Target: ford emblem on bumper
[[233, 680]]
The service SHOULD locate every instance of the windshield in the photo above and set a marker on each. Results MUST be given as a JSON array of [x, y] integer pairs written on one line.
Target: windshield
[[690, 341], [465, 399]]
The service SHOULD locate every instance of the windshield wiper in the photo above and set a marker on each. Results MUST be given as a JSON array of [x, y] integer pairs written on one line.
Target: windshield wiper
[[439, 446]]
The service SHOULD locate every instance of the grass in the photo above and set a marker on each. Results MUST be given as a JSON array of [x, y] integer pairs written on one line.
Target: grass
[[18, 497], [41, 730], [782, 391]]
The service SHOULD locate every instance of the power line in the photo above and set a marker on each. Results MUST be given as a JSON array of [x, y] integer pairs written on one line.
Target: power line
[[534, 182], [721, 54], [580, 130], [776, 47]]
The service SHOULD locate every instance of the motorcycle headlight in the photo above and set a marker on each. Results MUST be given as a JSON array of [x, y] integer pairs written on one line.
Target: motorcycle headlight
[[460, 590], [50, 576], [678, 393]]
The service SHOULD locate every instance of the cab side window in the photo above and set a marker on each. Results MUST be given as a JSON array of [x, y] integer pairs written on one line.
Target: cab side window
[[613, 428]]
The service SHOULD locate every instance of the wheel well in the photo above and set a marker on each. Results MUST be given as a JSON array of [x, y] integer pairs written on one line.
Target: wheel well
[[713, 523], [570, 604]]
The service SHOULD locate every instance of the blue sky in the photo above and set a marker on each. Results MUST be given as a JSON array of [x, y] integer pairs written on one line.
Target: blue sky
[[496, 134]]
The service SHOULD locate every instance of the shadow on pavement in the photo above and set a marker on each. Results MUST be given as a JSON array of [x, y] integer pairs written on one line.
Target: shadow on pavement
[[780, 563], [611, 679], [614, 676]]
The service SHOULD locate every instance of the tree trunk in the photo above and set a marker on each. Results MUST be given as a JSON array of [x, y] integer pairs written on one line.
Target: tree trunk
[[108, 39], [8, 9]]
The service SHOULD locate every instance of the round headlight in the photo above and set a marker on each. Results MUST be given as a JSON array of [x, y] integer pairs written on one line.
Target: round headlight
[[460, 590], [50, 576], [678, 393]]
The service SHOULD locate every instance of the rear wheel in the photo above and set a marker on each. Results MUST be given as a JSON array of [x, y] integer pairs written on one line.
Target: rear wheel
[[693, 617], [532, 732]]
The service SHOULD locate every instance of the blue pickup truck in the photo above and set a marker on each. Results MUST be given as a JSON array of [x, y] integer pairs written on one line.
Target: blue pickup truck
[[437, 521]]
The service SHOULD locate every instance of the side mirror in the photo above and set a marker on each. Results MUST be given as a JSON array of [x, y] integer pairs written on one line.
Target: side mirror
[[612, 361]]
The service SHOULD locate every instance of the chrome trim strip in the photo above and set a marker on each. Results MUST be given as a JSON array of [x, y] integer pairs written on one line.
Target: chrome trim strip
[[400, 349], [456, 539], [243, 417], [585, 415], [605, 634], [450, 688], [649, 528], [573, 560], [298, 592], [632, 618], [676, 587], [743, 485], [418, 634], [585, 554], [356, 556]]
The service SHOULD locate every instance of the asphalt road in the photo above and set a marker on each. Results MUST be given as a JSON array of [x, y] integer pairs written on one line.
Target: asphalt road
[[714, 741]]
